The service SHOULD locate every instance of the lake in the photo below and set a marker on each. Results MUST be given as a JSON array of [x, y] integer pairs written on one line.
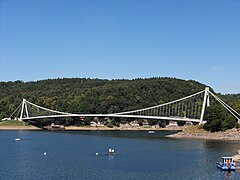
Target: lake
[[72, 155]]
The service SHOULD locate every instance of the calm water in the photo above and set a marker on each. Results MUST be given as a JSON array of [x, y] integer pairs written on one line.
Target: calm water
[[71, 155]]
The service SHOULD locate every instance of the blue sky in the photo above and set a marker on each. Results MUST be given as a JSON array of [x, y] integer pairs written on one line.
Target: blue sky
[[114, 39]]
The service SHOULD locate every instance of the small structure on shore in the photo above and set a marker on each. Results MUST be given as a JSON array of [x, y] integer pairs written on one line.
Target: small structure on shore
[[134, 124], [145, 123], [55, 127], [172, 124], [96, 124]]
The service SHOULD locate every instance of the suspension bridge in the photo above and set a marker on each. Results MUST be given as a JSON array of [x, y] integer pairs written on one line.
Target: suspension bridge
[[189, 109]]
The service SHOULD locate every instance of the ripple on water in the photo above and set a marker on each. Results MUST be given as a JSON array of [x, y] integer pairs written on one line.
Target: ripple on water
[[72, 156]]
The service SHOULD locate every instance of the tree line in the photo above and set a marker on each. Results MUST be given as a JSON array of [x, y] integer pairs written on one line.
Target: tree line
[[100, 96]]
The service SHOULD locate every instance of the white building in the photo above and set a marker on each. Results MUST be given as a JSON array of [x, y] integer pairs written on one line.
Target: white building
[[172, 123]]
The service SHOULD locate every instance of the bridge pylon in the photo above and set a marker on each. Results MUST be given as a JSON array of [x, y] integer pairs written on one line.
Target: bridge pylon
[[206, 102], [24, 109]]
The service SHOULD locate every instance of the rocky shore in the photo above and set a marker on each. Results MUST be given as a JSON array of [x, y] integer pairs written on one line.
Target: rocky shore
[[198, 133], [236, 157]]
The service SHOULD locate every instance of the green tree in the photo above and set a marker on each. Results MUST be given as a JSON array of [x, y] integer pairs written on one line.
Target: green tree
[[229, 123], [218, 119], [84, 95]]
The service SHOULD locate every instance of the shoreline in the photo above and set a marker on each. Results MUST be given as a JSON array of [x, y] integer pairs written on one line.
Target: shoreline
[[75, 128], [192, 132], [19, 128]]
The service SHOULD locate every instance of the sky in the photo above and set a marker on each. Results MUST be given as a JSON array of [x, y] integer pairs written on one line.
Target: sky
[[115, 39]]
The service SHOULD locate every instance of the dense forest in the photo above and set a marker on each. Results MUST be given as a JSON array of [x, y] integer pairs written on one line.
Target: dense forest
[[84, 95]]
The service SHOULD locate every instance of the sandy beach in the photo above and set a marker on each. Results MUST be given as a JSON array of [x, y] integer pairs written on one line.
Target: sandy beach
[[19, 128]]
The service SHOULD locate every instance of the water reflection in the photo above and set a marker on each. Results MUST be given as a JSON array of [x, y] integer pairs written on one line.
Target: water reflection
[[122, 134], [227, 148], [228, 175]]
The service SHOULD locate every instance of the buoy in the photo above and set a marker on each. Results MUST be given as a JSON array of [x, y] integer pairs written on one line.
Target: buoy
[[44, 153], [17, 139], [96, 153]]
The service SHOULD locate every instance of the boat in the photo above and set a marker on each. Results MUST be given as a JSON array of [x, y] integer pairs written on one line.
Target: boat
[[17, 139], [227, 164], [151, 132], [111, 152]]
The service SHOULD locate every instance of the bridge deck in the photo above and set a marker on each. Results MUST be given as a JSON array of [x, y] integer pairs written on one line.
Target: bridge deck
[[116, 115]]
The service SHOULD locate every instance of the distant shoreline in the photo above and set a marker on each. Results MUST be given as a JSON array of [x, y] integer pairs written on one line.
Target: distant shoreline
[[124, 129], [75, 128], [184, 132]]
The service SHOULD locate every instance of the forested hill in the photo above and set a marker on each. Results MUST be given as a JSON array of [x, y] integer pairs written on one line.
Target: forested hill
[[81, 95]]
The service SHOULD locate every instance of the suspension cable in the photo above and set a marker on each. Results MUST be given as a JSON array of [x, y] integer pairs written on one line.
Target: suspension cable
[[15, 110], [47, 108], [126, 112], [227, 107]]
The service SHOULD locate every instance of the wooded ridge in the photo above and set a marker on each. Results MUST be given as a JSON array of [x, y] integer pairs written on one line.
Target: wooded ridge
[[85, 95]]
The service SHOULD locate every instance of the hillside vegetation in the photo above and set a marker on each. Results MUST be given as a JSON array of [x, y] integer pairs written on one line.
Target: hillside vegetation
[[81, 95], [12, 123]]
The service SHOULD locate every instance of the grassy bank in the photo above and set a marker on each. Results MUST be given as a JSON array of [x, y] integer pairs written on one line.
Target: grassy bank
[[13, 123], [16, 125]]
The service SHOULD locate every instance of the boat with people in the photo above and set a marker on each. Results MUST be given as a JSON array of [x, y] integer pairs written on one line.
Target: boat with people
[[111, 152], [227, 164]]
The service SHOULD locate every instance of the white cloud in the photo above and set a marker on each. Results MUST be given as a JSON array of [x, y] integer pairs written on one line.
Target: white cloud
[[231, 85], [231, 88], [215, 68]]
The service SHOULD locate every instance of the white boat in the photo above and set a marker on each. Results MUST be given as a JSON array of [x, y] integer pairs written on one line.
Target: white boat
[[17, 139], [111, 152], [151, 132]]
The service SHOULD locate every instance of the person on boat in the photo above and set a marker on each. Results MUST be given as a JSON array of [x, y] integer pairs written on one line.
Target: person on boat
[[228, 163]]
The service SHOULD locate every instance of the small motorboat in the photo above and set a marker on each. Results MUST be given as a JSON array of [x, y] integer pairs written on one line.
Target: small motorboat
[[111, 152], [227, 164], [17, 139], [151, 132]]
